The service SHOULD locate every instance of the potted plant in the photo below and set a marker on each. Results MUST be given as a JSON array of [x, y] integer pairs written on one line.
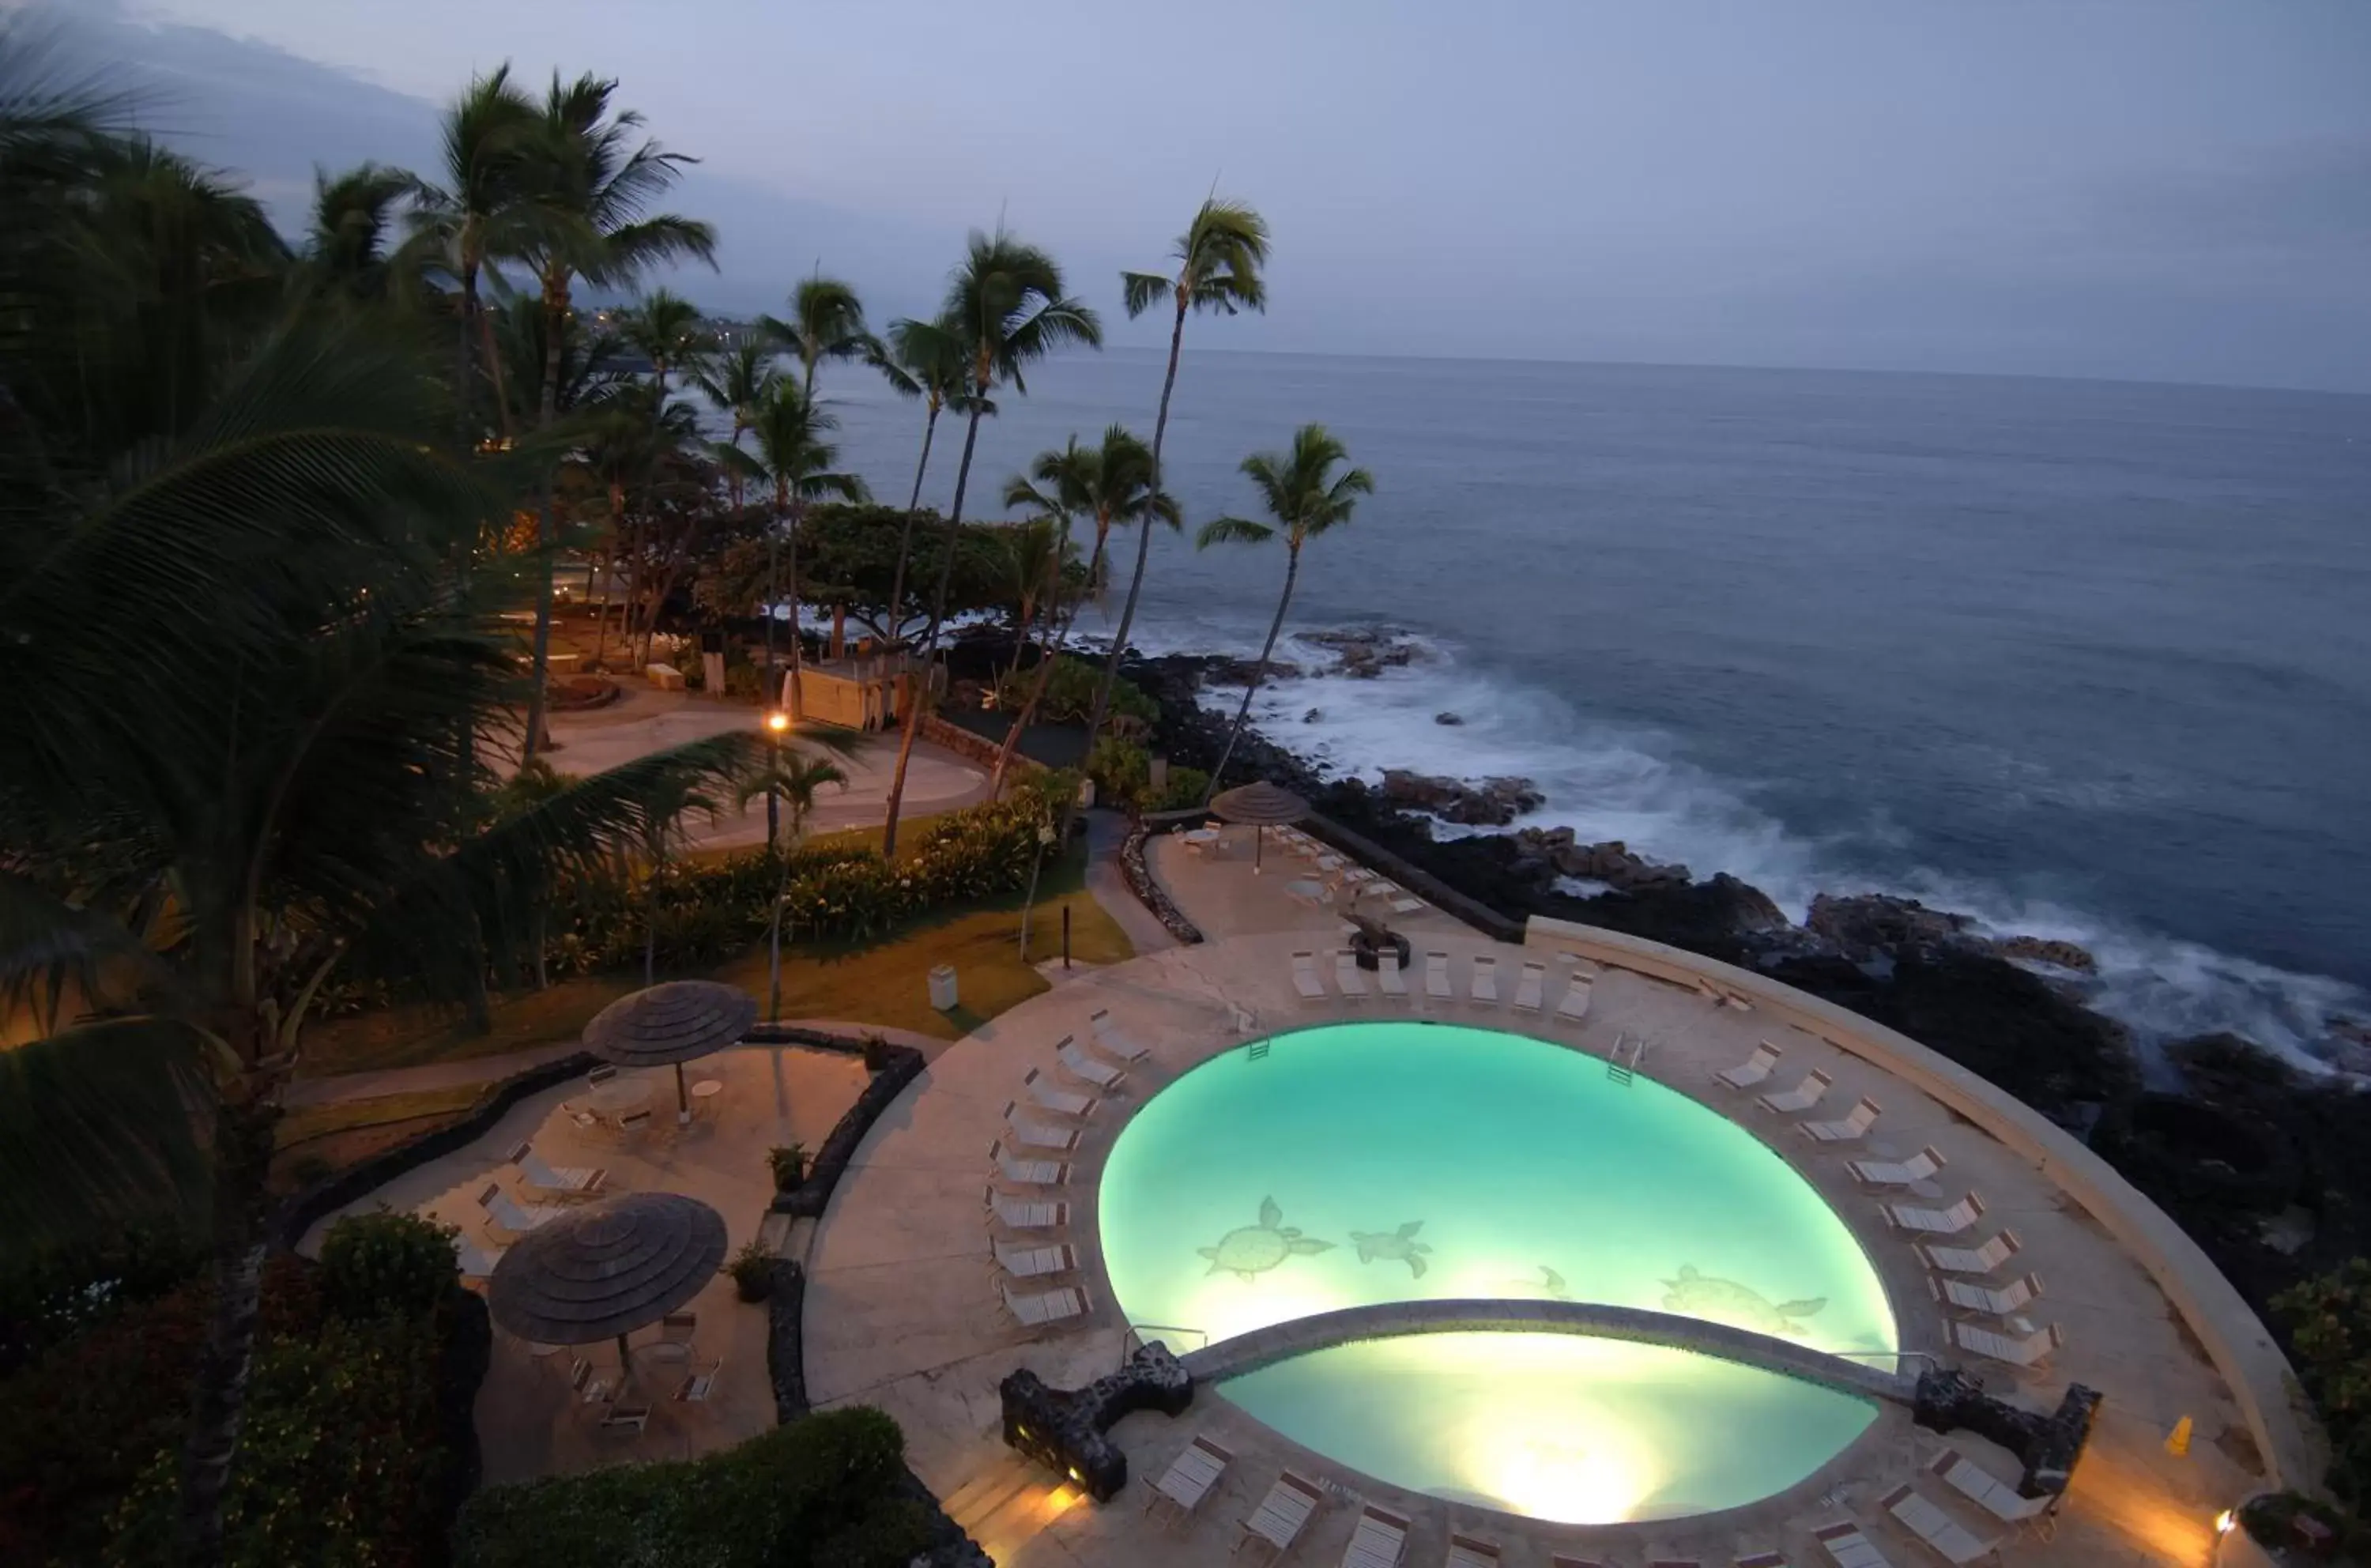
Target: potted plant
[[789, 1165], [753, 1272]]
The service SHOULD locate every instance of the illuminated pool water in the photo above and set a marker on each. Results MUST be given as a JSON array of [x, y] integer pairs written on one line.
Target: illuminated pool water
[[1399, 1161]]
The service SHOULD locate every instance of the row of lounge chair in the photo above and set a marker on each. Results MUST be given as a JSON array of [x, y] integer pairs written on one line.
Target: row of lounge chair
[[1354, 880], [1482, 983]]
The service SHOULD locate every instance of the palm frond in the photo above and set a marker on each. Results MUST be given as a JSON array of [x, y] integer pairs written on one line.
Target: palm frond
[[1232, 531], [1141, 291]]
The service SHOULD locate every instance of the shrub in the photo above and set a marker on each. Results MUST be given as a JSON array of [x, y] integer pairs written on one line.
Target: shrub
[[789, 1163], [1122, 771], [2329, 1320], [55, 1291], [753, 1272], [1185, 791], [1070, 693], [377, 1265], [824, 1491]]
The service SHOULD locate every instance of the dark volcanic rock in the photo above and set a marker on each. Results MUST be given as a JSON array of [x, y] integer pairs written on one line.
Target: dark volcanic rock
[[1609, 863], [2042, 950], [1864, 926], [1242, 672], [1366, 653], [1494, 802]]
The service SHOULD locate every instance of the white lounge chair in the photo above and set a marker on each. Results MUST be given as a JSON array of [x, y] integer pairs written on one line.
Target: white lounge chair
[[1482, 985], [1898, 1173], [1981, 1259], [1945, 1536], [1753, 1070], [1763, 1560], [2012, 1297], [626, 1418], [473, 1261], [1436, 978], [1078, 1065], [1391, 979], [1347, 976], [699, 1386], [507, 1215], [1933, 1221], [1029, 1172], [1064, 1101], [1528, 987], [1046, 1307], [1800, 1099], [1709, 991], [2030, 1350], [1111, 1038], [1282, 1514], [579, 1180], [1408, 904], [1468, 1551], [1850, 1128], [1305, 978], [1190, 1477], [1575, 1005], [1027, 1214], [1032, 1263], [1847, 1548], [1979, 1486], [1029, 1130], [1380, 1541]]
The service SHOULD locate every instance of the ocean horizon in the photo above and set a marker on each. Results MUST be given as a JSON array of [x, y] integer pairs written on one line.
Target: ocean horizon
[[2080, 658]]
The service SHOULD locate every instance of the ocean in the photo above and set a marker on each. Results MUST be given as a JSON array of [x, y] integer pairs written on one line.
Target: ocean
[[2088, 660]]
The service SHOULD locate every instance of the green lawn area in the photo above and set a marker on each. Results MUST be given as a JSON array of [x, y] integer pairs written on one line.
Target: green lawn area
[[314, 1138], [882, 982]]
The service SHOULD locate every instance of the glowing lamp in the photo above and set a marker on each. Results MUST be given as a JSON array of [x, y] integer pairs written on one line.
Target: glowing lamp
[[777, 722]]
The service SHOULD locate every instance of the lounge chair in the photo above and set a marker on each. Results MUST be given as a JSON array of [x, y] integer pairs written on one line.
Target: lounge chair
[[1190, 1477], [1849, 1129], [1753, 1070], [509, 1215], [626, 1418], [1995, 1496], [1675, 1563], [2031, 1350], [1380, 1541], [1942, 1534], [1029, 1130], [1111, 1038], [634, 1121], [1981, 1259], [1800, 1099], [1078, 1065], [1763, 1560], [1468, 1551], [1032, 1263], [1029, 1172], [1736, 1003], [1560, 1560], [1062, 1102], [1528, 987], [596, 1077], [1044, 1309], [1847, 1548], [1979, 1298], [473, 1261], [1391, 979], [1709, 991], [1436, 978], [1347, 976], [1575, 1006], [1933, 1221], [1305, 978], [1898, 1173], [1027, 1214], [1282, 1514], [582, 1180], [1482, 987], [698, 1387], [1408, 904]]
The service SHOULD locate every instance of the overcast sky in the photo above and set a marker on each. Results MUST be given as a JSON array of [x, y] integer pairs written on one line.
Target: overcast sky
[[2148, 189]]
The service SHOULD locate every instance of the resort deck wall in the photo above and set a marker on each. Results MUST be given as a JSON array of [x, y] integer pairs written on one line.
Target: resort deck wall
[[2236, 1341]]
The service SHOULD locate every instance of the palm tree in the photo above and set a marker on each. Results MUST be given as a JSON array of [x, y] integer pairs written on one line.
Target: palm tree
[[1113, 484], [924, 360], [354, 212], [738, 382], [1305, 498], [1006, 310], [795, 458], [790, 776], [596, 181], [1036, 550], [1218, 259], [827, 321], [665, 328]]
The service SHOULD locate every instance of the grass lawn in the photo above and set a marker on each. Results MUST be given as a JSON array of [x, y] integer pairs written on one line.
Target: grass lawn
[[883, 982], [313, 1139]]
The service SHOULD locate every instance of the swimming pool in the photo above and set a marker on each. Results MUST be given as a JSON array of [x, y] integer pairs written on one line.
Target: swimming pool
[[1398, 1161]]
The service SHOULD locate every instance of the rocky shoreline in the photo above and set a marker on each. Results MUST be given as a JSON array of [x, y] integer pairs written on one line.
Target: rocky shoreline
[[2275, 1181]]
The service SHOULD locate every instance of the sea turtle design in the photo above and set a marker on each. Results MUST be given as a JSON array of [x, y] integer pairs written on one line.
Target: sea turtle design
[[1394, 1246], [1726, 1301], [1552, 1284], [1251, 1251]]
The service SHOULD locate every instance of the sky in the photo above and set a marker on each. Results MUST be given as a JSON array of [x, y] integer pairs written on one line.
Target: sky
[[2152, 190]]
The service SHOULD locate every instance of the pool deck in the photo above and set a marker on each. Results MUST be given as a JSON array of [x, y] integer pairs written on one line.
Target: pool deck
[[902, 1309]]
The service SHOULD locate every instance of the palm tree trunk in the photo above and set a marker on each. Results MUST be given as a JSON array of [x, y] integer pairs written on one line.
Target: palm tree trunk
[[1021, 720], [769, 697], [555, 324], [929, 638], [1292, 570], [905, 536], [798, 649], [242, 1146]]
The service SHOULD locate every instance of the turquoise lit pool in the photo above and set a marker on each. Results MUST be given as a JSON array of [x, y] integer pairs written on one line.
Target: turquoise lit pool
[[1395, 1160]]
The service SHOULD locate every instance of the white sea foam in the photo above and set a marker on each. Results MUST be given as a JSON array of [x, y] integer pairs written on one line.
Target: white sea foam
[[1606, 781]]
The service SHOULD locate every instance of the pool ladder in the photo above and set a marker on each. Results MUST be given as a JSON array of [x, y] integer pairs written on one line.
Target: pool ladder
[[1617, 1069]]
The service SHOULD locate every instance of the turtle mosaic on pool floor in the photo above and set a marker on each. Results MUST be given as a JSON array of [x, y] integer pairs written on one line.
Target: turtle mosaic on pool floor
[[1726, 1301], [1394, 1246], [1251, 1251]]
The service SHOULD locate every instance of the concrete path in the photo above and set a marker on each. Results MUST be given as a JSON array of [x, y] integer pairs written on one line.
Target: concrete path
[[1106, 831]]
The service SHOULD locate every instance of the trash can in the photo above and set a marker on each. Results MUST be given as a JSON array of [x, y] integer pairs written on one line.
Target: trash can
[[942, 987]]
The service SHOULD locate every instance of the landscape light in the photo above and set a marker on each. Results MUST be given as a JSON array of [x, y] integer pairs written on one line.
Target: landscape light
[[777, 722]]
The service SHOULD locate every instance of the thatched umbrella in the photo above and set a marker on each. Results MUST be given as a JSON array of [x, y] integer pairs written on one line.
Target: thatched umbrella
[[605, 1270], [671, 1023], [1263, 805]]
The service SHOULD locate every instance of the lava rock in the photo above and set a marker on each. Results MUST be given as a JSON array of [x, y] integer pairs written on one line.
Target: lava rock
[[2044, 950], [1493, 802], [1864, 926]]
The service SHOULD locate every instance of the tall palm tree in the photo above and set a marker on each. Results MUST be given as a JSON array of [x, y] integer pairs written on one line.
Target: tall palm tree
[[1006, 310], [667, 329], [1036, 551], [738, 382], [1111, 483], [794, 457], [790, 776], [594, 178], [346, 248], [924, 360], [1305, 498], [1218, 259], [827, 321]]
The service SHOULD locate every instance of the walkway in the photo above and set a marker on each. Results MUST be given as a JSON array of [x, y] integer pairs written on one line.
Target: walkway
[[1106, 831]]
